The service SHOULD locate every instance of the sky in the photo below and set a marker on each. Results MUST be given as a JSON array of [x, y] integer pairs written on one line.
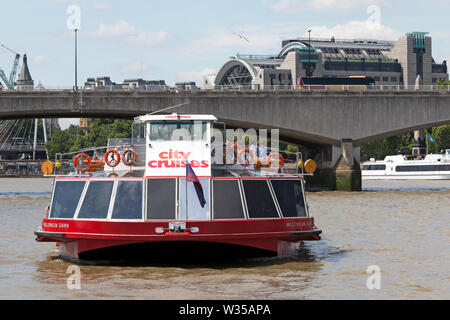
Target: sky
[[187, 40]]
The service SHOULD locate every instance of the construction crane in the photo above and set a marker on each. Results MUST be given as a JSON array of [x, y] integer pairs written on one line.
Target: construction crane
[[12, 76]]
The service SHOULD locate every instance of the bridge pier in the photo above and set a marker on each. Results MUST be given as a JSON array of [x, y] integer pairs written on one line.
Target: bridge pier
[[419, 144], [338, 167], [347, 166]]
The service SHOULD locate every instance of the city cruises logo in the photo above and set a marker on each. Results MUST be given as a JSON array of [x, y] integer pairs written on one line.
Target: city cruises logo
[[176, 159]]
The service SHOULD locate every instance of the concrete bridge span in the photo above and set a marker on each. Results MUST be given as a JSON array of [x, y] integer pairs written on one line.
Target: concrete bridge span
[[339, 121]]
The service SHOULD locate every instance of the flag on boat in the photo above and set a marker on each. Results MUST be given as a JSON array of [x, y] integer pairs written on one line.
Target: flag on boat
[[192, 177], [431, 139]]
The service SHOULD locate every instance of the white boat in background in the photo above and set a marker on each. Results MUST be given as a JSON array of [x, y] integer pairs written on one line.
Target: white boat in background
[[432, 167]]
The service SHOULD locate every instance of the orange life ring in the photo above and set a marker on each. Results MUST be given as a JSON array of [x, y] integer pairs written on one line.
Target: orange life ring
[[129, 160], [245, 161], [277, 157], [84, 159], [115, 160]]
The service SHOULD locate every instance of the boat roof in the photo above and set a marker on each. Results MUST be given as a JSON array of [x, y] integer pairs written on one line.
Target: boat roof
[[175, 117]]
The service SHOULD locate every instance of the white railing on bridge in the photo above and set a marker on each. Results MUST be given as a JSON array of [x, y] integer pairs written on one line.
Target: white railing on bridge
[[371, 88]]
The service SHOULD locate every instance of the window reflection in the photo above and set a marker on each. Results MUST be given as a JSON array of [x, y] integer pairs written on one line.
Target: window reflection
[[195, 210], [65, 199], [196, 130], [128, 202]]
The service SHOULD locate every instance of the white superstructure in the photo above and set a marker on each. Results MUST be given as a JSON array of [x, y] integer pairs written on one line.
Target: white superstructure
[[434, 166], [173, 139]]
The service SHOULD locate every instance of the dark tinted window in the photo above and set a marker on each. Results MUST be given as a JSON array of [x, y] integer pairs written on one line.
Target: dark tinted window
[[65, 198], [161, 199], [227, 200], [422, 168], [374, 167], [259, 199], [96, 201], [128, 201], [290, 197]]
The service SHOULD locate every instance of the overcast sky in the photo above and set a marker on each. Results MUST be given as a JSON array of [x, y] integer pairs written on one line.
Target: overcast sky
[[185, 40]]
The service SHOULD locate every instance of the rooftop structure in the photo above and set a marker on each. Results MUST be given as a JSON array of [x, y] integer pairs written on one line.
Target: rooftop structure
[[388, 62], [24, 81], [106, 83]]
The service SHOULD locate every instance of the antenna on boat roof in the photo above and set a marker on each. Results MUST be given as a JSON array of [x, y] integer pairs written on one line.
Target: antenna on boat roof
[[178, 105]]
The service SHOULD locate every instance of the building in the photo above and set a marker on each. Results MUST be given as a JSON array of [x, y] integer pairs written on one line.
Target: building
[[187, 85], [105, 83], [24, 81], [404, 62]]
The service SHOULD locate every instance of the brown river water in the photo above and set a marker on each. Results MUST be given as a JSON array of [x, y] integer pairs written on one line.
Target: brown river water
[[401, 227]]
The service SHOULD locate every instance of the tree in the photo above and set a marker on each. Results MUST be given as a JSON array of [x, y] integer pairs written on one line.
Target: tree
[[61, 142], [72, 139], [442, 136]]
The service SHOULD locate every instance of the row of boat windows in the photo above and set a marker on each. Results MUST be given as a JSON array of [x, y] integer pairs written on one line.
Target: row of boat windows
[[437, 167], [374, 167], [231, 199]]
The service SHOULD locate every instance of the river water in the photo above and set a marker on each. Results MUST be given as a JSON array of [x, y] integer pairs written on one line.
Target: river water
[[401, 227]]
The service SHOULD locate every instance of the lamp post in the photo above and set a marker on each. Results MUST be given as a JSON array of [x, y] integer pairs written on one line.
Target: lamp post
[[76, 70], [309, 53]]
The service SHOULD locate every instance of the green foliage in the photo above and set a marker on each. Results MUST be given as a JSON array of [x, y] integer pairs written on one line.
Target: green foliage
[[60, 143], [73, 138], [403, 144], [442, 136], [442, 84]]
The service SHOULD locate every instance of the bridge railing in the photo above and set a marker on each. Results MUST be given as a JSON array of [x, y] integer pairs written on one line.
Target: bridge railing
[[333, 88], [253, 87]]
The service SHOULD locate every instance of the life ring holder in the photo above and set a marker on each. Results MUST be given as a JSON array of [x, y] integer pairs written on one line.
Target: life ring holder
[[83, 157], [132, 160], [278, 156], [116, 159]]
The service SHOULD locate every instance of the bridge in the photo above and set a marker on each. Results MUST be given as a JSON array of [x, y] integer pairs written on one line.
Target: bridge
[[330, 125]]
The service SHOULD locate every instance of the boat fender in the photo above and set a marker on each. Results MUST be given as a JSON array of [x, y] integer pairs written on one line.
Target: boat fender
[[129, 157], [80, 164], [112, 158]]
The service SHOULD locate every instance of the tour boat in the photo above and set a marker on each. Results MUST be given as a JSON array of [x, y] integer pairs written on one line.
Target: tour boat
[[432, 167], [166, 197]]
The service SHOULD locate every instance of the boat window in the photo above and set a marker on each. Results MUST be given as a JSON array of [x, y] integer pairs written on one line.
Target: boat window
[[290, 197], [65, 199], [161, 199], [423, 168], [227, 200], [195, 210], [167, 130], [259, 199], [96, 201], [374, 167], [128, 202]]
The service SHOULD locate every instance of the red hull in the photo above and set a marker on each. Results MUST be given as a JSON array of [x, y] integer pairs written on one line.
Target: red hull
[[80, 236]]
